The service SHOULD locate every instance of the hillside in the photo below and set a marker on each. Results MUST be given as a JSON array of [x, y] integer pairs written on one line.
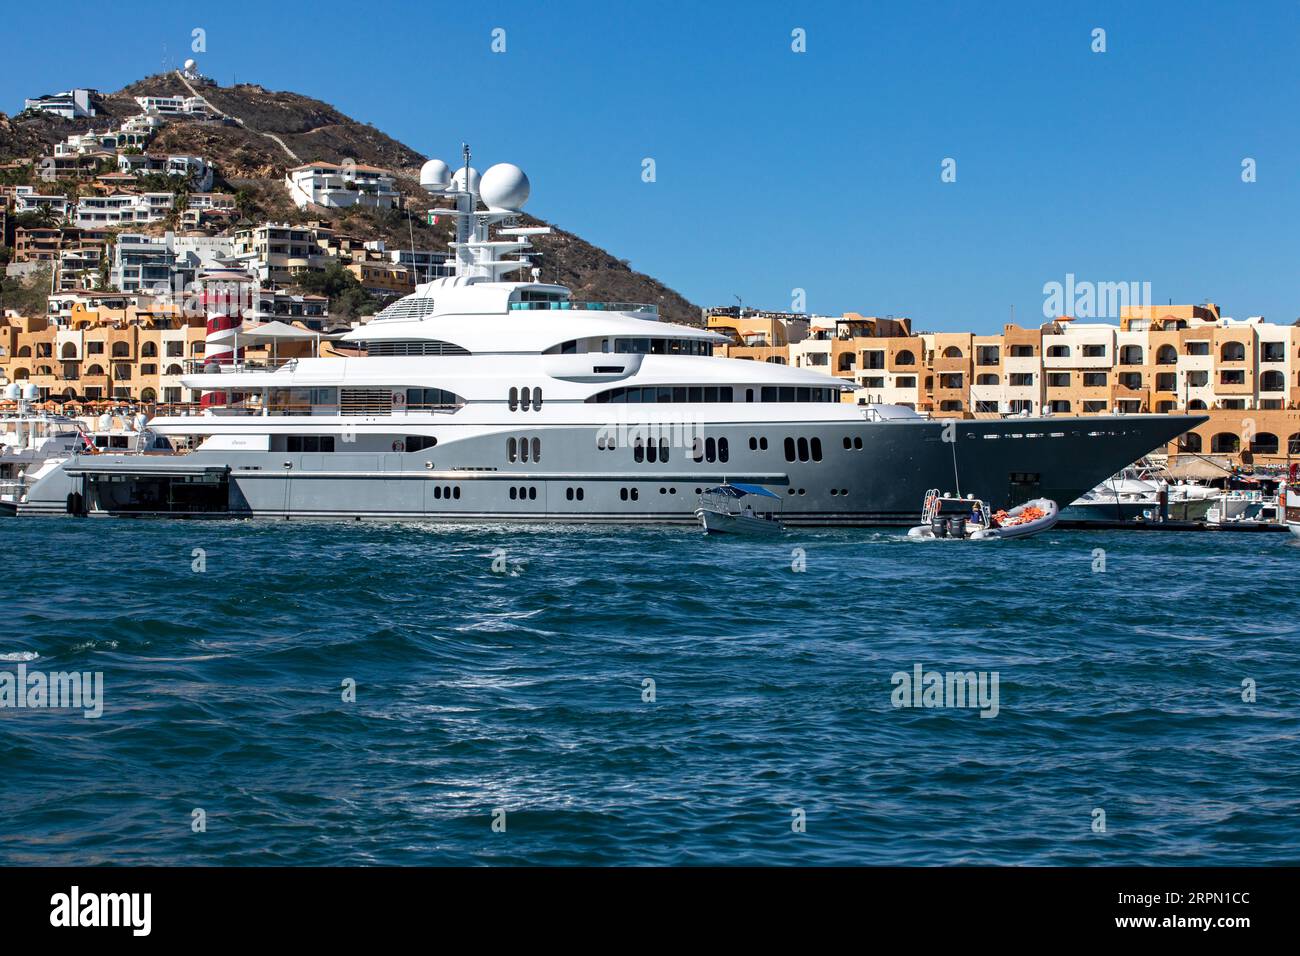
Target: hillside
[[253, 163]]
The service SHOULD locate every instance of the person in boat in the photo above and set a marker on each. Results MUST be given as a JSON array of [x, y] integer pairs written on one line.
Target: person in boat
[[749, 511]]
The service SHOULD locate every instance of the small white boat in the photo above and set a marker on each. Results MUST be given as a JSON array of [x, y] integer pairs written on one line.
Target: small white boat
[[1291, 516], [725, 510], [970, 519]]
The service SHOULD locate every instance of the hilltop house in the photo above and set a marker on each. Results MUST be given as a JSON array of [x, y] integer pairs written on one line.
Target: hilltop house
[[337, 186], [71, 104]]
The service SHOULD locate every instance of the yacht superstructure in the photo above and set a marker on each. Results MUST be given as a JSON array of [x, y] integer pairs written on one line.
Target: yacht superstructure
[[487, 395]]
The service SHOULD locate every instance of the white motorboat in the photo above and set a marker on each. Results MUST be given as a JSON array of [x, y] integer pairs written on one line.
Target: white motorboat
[[1239, 508], [730, 509], [29, 438], [945, 516]]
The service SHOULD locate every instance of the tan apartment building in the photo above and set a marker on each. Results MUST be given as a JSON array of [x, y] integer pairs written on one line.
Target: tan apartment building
[[104, 354], [1245, 375]]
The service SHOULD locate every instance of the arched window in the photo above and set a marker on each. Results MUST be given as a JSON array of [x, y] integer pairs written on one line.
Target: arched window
[[904, 358], [173, 369], [121, 350], [1196, 405], [1167, 355], [21, 374], [952, 352], [95, 370], [149, 350], [1264, 443], [24, 351], [1272, 381], [1232, 352], [514, 399], [44, 370], [148, 395], [1058, 351], [1191, 442], [526, 399], [1225, 443], [69, 350], [1293, 444], [847, 360]]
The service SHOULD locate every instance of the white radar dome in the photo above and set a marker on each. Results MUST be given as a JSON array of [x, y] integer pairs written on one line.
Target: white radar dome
[[30, 392], [458, 181], [505, 188], [189, 65], [13, 391], [435, 175]]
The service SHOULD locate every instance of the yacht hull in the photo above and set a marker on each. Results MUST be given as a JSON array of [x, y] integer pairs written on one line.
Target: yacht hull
[[1003, 461]]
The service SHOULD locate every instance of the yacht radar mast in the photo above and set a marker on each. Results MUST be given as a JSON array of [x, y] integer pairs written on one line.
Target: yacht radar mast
[[503, 188]]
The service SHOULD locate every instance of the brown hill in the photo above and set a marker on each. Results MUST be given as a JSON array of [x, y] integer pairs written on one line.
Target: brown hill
[[251, 157]]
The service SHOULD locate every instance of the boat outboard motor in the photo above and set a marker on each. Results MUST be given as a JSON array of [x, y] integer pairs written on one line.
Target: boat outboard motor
[[939, 526], [959, 526]]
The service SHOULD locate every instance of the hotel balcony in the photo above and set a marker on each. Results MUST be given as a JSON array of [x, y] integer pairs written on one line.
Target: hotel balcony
[[1241, 384]]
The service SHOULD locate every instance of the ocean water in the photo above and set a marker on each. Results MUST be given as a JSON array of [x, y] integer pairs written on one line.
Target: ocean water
[[501, 675]]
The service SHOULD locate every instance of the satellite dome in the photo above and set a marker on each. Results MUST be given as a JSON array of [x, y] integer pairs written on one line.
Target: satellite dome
[[189, 65], [30, 392], [505, 188], [458, 181], [13, 391], [435, 175]]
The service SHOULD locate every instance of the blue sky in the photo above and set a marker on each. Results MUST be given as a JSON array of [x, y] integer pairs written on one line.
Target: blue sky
[[819, 171]]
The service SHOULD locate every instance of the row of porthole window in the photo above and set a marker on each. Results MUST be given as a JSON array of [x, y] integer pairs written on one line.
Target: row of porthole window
[[628, 494], [709, 449], [525, 398], [446, 491], [803, 450], [523, 449], [520, 493], [855, 442], [650, 450], [573, 493]]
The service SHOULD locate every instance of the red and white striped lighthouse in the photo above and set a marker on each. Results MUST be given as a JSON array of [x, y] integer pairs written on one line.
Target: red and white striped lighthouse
[[225, 295]]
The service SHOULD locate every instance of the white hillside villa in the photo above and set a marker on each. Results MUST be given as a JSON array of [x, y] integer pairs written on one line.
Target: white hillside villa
[[338, 186]]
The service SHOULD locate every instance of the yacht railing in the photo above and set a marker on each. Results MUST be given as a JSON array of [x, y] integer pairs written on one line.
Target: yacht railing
[[282, 409], [586, 306], [210, 367]]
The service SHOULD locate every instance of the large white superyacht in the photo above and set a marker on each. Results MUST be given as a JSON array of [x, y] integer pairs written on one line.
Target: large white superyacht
[[481, 397]]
